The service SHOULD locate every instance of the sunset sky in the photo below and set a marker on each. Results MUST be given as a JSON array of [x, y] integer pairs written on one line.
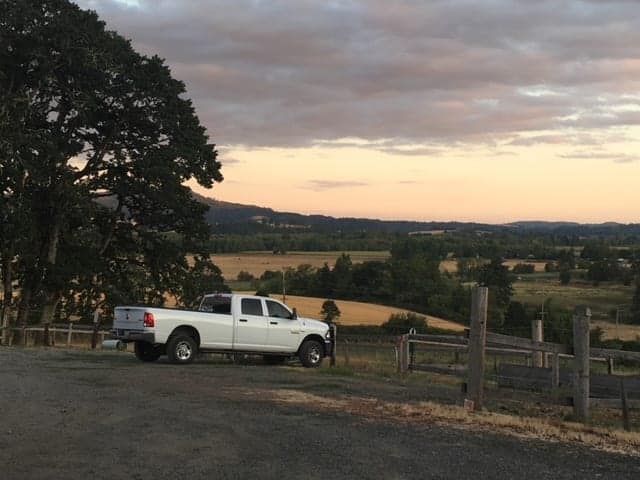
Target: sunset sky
[[491, 111]]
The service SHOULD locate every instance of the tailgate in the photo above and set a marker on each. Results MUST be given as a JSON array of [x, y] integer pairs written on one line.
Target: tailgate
[[129, 318]]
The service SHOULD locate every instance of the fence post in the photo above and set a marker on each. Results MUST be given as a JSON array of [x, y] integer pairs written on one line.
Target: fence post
[[412, 350], [610, 367], [45, 335], [625, 406], [69, 332], [96, 327], [403, 354], [346, 352], [334, 336], [555, 371], [537, 336], [477, 337], [581, 320]]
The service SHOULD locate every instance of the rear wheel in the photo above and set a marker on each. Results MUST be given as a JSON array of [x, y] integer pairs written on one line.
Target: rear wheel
[[182, 349], [147, 352], [311, 353], [274, 359]]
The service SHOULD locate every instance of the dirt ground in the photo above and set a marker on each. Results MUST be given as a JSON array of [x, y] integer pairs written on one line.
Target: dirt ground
[[77, 415]]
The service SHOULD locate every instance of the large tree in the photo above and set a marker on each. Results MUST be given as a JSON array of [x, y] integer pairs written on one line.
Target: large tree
[[102, 140]]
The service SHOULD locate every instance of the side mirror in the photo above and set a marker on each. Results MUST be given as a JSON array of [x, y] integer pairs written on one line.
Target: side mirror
[[294, 314]]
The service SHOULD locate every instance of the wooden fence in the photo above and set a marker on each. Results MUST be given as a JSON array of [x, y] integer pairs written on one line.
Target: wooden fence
[[58, 334], [543, 370]]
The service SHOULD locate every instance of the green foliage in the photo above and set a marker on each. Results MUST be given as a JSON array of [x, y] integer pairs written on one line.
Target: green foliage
[[400, 323], [565, 277], [330, 311], [496, 276], [635, 302], [603, 270], [97, 142], [245, 276], [523, 268]]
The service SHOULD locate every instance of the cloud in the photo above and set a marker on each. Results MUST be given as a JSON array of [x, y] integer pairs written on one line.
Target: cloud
[[321, 185], [601, 155], [283, 73]]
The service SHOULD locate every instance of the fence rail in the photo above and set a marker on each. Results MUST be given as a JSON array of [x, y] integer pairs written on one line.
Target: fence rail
[[536, 374]]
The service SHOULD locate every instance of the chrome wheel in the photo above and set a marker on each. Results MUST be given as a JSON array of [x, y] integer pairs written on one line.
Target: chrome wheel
[[314, 355], [183, 351]]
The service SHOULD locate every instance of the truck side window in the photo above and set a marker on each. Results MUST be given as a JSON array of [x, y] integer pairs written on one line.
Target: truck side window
[[251, 306], [277, 310], [216, 304]]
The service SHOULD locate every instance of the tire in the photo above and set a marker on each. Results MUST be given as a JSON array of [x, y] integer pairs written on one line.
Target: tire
[[182, 348], [147, 352], [311, 353], [274, 359]]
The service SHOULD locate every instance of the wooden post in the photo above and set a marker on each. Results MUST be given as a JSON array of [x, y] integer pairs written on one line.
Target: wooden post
[[625, 406], [610, 369], [555, 371], [537, 336], [24, 335], [346, 353], [96, 327], [403, 354], [581, 320], [69, 332], [45, 335], [477, 336], [334, 336], [412, 355]]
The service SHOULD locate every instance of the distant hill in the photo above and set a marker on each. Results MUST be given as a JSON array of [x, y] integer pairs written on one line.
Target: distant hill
[[227, 217]]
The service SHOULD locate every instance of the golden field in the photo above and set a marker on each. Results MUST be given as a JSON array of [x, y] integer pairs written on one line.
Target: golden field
[[256, 263], [451, 266], [357, 313]]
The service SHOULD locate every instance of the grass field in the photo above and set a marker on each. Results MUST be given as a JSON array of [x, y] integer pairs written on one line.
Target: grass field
[[602, 299], [358, 313], [451, 266], [256, 263]]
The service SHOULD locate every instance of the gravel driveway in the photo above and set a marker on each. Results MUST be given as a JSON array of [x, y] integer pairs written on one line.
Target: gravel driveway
[[95, 415]]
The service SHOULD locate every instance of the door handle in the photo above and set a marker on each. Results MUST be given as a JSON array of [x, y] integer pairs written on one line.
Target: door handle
[[242, 320], [273, 323]]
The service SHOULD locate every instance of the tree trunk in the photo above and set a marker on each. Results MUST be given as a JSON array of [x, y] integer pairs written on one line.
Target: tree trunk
[[52, 299], [7, 289], [25, 304]]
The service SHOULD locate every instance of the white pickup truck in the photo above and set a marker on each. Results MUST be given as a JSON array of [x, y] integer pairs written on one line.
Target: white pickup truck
[[224, 323]]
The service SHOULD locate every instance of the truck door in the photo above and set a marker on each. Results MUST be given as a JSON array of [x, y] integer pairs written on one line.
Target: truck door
[[251, 326], [284, 330]]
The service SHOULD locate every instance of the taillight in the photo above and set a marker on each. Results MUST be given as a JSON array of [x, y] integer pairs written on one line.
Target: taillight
[[149, 321]]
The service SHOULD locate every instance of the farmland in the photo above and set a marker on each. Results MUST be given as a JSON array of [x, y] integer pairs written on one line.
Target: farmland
[[533, 289], [256, 263], [358, 313]]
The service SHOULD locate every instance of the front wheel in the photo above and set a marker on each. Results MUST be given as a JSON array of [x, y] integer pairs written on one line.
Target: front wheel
[[311, 353], [182, 349], [146, 352]]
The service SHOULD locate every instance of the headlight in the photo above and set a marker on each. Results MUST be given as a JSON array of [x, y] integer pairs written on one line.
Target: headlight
[[328, 334]]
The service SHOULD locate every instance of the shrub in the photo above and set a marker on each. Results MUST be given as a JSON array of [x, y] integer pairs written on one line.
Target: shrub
[[524, 268], [245, 276], [401, 322]]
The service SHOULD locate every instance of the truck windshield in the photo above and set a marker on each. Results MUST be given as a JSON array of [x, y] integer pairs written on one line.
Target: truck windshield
[[216, 304]]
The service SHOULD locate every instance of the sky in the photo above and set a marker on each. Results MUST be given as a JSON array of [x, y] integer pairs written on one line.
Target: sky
[[490, 111]]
